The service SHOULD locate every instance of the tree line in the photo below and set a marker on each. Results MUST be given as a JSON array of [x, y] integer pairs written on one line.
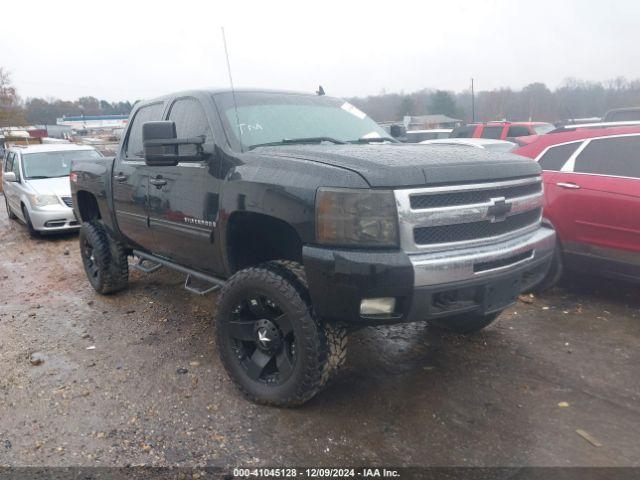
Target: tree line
[[14, 111], [572, 99]]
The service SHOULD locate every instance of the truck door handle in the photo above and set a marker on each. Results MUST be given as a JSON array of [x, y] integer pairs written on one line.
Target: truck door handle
[[120, 177], [158, 182], [568, 185]]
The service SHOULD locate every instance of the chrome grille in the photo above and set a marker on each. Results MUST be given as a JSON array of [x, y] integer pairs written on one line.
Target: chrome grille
[[463, 232], [440, 218], [474, 196], [67, 201]]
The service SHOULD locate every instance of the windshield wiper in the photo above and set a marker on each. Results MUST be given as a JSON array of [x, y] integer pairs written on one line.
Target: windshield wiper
[[37, 177], [374, 140], [289, 141]]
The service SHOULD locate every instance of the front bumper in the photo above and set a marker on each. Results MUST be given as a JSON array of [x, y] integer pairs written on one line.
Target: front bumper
[[427, 285], [53, 218]]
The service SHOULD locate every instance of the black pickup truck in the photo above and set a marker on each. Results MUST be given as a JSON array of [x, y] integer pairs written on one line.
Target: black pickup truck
[[310, 221]]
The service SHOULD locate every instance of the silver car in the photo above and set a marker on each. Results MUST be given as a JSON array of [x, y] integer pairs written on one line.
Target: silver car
[[35, 181]]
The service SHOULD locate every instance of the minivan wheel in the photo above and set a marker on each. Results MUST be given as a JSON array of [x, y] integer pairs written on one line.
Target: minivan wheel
[[273, 347], [10, 214], [465, 323], [27, 220], [104, 259]]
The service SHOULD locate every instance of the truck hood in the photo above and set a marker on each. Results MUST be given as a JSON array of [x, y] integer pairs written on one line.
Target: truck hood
[[406, 165], [51, 186]]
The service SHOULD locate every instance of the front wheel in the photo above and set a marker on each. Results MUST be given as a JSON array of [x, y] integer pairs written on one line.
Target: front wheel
[[272, 346], [465, 323], [104, 259], [27, 220], [10, 214]]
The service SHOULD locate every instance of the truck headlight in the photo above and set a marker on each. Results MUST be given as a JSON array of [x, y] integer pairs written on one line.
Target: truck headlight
[[43, 200], [359, 217]]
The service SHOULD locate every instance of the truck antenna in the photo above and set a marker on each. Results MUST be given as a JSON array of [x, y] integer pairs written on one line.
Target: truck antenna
[[233, 91]]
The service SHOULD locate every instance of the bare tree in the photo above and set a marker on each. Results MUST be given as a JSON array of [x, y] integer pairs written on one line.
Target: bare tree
[[11, 111]]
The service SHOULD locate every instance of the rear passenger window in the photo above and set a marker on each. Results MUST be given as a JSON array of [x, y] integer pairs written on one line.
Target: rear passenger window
[[618, 156], [149, 113], [556, 157], [463, 132], [191, 121], [492, 132], [518, 131]]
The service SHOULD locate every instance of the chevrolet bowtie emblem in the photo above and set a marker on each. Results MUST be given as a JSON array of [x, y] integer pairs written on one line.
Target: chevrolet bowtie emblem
[[499, 210]]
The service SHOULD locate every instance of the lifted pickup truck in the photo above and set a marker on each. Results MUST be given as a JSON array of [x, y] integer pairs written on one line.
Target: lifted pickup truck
[[310, 221]]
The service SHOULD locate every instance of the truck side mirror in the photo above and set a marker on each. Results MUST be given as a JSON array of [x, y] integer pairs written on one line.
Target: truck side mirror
[[157, 138], [161, 145], [10, 176]]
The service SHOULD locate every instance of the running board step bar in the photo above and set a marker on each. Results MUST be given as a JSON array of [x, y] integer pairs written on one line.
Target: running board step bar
[[158, 262], [141, 268]]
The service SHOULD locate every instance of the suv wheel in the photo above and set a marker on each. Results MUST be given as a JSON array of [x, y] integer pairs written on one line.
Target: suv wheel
[[554, 274], [465, 323], [104, 259], [27, 220], [10, 214], [273, 347]]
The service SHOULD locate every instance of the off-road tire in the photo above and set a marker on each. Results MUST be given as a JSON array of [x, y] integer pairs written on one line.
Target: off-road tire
[[10, 214], [310, 370], [336, 334], [554, 274], [465, 323], [109, 256], [27, 221]]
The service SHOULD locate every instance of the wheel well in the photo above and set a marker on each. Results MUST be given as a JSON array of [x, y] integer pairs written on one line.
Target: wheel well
[[87, 206], [254, 238]]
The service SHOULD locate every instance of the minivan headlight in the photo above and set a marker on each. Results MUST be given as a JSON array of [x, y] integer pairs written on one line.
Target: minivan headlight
[[43, 200], [356, 217]]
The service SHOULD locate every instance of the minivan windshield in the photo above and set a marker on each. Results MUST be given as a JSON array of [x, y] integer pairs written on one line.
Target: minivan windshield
[[53, 164], [280, 118]]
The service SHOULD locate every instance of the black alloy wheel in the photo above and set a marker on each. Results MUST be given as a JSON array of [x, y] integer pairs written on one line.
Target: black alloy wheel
[[263, 339], [104, 259]]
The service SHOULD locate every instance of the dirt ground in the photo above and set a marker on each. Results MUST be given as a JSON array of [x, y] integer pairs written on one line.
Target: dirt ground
[[109, 393]]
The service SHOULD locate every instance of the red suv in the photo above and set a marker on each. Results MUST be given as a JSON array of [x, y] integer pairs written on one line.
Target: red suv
[[592, 197], [501, 130]]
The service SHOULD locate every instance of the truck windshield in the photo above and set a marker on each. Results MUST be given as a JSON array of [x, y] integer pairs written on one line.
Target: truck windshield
[[53, 164], [278, 118]]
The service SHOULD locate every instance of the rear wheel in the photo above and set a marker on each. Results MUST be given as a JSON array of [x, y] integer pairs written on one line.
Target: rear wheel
[[465, 323], [27, 220], [104, 259], [271, 344], [10, 214]]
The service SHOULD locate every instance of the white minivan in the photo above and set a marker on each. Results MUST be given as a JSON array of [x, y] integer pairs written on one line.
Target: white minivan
[[35, 180]]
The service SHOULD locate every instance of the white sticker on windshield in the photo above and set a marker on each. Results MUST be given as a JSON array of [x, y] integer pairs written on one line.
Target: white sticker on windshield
[[347, 107]]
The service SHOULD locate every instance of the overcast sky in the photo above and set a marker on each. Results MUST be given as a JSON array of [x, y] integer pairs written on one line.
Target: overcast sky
[[126, 50]]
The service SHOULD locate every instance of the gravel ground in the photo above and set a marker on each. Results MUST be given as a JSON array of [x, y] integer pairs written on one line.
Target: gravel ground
[[108, 391]]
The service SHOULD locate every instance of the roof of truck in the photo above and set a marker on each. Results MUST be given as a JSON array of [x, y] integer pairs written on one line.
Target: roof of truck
[[218, 91]]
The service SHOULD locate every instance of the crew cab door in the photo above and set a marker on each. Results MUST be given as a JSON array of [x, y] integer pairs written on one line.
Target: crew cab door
[[131, 180], [183, 199]]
